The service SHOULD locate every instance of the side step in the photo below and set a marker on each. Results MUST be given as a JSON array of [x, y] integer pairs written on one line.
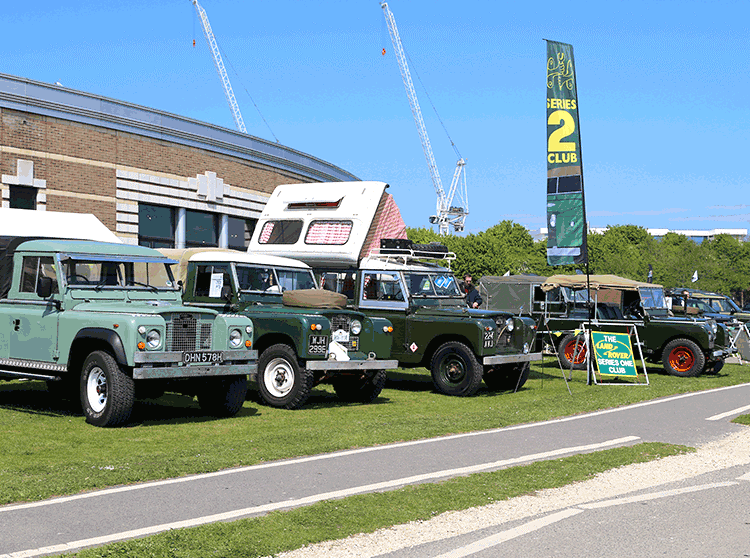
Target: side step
[[29, 376]]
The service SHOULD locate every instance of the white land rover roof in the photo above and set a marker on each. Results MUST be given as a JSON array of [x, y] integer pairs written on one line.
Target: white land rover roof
[[54, 224], [226, 255]]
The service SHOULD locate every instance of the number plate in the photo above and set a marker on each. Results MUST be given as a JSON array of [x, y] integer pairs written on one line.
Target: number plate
[[340, 336], [318, 345], [489, 339], [202, 357]]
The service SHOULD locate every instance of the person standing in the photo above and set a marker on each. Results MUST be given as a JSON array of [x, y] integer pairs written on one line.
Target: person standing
[[473, 299]]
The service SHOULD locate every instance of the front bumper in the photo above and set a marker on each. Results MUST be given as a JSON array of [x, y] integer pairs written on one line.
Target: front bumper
[[351, 364], [510, 359], [161, 365]]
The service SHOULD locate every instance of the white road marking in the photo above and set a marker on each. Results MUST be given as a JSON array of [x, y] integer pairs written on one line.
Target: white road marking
[[745, 477], [499, 538], [535, 525], [235, 514], [730, 413], [345, 453], [655, 495]]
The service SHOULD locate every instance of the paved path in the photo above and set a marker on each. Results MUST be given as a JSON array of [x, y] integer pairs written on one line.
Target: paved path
[[92, 518]]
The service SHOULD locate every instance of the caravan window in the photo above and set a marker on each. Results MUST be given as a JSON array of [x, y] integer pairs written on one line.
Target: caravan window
[[280, 232], [328, 232]]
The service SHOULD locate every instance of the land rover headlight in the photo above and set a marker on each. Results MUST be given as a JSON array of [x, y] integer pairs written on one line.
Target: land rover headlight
[[235, 338], [356, 327], [153, 339], [712, 324], [509, 324]]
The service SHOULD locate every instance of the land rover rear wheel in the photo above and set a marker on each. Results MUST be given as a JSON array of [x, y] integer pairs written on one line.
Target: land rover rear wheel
[[683, 357], [223, 396], [455, 370], [360, 388], [506, 377], [571, 354], [282, 382], [107, 393]]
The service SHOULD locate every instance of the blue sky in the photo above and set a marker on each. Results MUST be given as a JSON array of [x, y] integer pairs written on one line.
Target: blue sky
[[662, 86]]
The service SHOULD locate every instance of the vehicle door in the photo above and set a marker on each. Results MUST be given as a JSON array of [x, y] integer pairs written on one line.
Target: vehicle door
[[34, 322], [382, 294]]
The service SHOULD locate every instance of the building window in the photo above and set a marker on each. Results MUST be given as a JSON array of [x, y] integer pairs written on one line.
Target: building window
[[22, 197], [201, 229], [240, 232], [155, 226]]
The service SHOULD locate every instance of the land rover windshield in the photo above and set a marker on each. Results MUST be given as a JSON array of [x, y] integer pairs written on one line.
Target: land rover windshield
[[117, 272], [272, 279], [653, 299], [434, 284]]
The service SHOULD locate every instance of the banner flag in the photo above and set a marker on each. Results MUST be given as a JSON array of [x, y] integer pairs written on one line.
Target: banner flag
[[566, 209]]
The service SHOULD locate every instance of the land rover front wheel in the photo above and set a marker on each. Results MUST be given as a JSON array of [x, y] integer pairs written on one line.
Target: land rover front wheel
[[506, 377], [107, 393], [683, 357], [455, 370], [223, 396], [360, 388], [281, 381]]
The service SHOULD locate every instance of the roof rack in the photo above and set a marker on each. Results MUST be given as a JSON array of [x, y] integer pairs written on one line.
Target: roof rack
[[403, 250]]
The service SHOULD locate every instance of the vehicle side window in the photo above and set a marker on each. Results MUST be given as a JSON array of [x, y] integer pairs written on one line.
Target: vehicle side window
[[383, 287], [339, 282], [35, 267], [210, 279]]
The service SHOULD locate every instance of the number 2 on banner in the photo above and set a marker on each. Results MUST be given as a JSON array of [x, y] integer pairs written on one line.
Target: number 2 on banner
[[567, 125]]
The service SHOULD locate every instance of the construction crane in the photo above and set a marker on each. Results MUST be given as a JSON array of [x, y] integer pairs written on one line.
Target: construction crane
[[447, 213], [211, 40]]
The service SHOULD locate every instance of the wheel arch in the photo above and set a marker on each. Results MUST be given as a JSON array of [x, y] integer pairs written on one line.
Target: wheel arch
[[92, 339], [270, 339], [436, 342]]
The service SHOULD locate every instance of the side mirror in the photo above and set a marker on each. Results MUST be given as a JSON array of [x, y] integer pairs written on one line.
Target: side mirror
[[44, 287], [226, 293]]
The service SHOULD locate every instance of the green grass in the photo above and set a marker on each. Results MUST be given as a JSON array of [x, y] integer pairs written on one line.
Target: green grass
[[742, 419], [335, 519], [48, 450]]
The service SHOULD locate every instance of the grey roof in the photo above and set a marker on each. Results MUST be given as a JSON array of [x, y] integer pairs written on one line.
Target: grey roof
[[77, 106]]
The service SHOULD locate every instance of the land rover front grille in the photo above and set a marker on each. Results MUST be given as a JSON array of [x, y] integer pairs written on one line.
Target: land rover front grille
[[503, 337], [186, 333], [344, 322]]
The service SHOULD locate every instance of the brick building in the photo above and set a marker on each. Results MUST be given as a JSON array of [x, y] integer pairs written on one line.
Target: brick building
[[154, 178]]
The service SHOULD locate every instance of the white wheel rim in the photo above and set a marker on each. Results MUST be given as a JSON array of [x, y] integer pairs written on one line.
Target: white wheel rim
[[278, 377], [96, 390]]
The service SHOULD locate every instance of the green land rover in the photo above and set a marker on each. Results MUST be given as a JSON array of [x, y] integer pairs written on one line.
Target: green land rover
[[304, 336], [684, 345], [106, 321], [432, 325]]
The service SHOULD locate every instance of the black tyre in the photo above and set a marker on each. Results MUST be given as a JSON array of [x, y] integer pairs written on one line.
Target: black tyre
[[571, 354], [507, 377], [360, 388], [683, 357], [107, 393], [282, 382], [223, 396], [455, 370]]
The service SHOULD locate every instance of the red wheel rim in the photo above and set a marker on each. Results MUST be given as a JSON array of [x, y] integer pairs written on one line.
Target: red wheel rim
[[572, 356], [681, 359]]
